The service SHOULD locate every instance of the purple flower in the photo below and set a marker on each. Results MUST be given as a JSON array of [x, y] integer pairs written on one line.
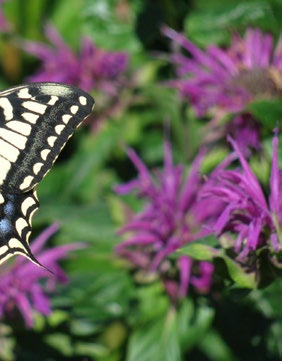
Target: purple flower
[[20, 281], [92, 69], [217, 82], [246, 131], [171, 218], [249, 220]]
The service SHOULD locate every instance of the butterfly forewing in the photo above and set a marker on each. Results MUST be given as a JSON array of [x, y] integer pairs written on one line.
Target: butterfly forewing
[[36, 120]]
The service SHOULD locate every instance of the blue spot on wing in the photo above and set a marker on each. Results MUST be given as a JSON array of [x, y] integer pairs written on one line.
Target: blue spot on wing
[[9, 209], [5, 226]]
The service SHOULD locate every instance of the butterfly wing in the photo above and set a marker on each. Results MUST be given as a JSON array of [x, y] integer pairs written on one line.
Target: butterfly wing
[[36, 120], [16, 211]]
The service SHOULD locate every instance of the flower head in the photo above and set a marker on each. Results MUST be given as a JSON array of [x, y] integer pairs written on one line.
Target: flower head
[[92, 69], [248, 215], [20, 281], [171, 218], [217, 82]]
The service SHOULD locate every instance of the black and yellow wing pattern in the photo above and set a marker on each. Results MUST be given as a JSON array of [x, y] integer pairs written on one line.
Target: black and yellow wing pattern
[[36, 120]]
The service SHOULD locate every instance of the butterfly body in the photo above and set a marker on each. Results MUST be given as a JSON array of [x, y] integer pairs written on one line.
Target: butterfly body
[[36, 120]]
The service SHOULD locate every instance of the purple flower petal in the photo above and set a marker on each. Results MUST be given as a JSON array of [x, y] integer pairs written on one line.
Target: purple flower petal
[[171, 217], [20, 281], [247, 215], [91, 68], [217, 82], [274, 197]]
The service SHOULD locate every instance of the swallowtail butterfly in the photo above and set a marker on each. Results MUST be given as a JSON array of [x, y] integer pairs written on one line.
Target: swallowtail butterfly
[[36, 120]]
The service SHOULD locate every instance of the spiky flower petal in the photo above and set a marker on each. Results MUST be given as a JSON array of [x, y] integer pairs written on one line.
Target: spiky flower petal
[[250, 220], [21, 284], [219, 81], [171, 218]]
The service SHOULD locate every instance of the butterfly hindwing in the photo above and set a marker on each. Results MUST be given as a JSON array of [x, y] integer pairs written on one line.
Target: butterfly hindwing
[[16, 211], [36, 120]]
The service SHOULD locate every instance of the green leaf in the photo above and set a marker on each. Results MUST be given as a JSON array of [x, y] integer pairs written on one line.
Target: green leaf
[[95, 297], [110, 25], [147, 295], [60, 341], [156, 341], [78, 222], [238, 274], [194, 321], [199, 251], [268, 112], [202, 249], [26, 16], [269, 300], [215, 348], [202, 252], [93, 152], [168, 336], [65, 14], [211, 26]]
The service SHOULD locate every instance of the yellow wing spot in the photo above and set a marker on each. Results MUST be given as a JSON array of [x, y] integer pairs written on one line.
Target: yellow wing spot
[[53, 100], [59, 128], [37, 167], [44, 153], [7, 108], [19, 127], [4, 249], [82, 100], [15, 139], [51, 140], [31, 215], [26, 204], [5, 166], [21, 224], [9, 152], [24, 93], [30, 117], [15, 243], [66, 118], [26, 182], [74, 109], [35, 107]]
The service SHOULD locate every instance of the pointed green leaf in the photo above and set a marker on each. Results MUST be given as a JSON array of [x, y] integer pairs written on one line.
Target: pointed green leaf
[[238, 274], [198, 251]]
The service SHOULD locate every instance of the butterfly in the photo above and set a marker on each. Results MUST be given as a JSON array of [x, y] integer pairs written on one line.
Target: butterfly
[[36, 120]]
